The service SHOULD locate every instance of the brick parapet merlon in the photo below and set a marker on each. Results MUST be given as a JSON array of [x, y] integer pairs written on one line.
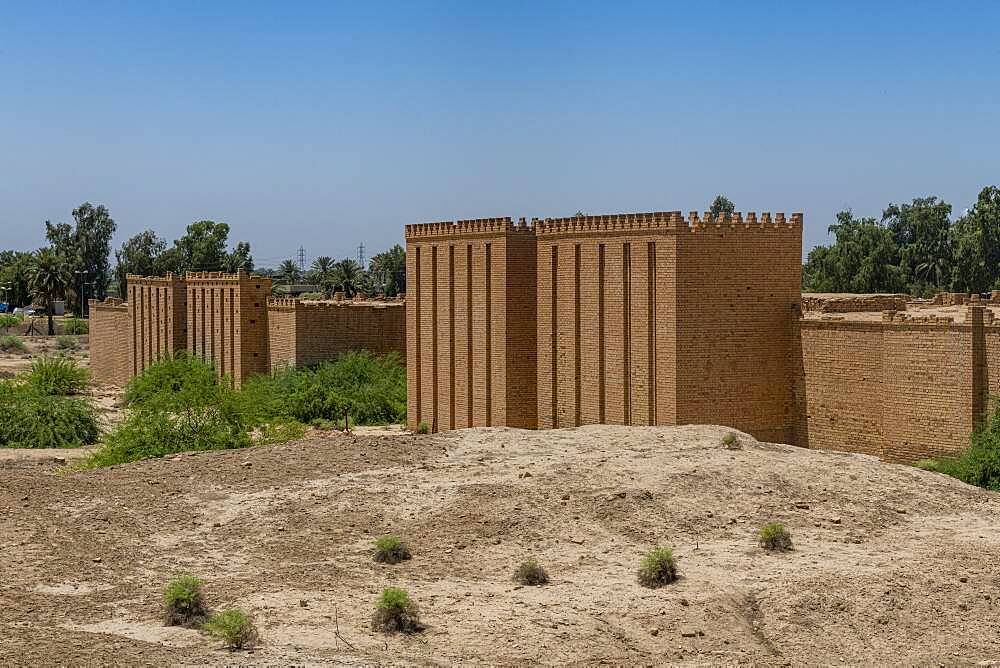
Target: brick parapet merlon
[[111, 303], [464, 228], [290, 304], [223, 277], [170, 279]]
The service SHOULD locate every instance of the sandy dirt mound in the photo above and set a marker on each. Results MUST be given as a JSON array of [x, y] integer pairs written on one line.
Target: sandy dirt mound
[[891, 564]]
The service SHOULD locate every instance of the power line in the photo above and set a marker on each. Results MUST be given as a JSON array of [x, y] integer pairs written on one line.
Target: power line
[[361, 254]]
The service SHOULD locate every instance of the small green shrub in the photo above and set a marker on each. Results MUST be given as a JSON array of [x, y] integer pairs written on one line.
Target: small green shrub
[[67, 343], [8, 320], [423, 428], [183, 604], [658, 568], [75, 326], [234, 627], [29, 419], [12, 344], [175, 383], [775, 537], [391, 550], [531, 573], [979, 464], [57, 376], [396, 612], [729, 441]]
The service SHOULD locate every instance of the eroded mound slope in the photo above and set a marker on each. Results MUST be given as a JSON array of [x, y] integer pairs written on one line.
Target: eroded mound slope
[[891, 564]]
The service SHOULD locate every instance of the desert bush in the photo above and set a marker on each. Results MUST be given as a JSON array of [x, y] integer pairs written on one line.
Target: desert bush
[[391, 550], [531, 573], [29, 419], [658, 568], [395, 612], [729, 441], [8, 320], [177, 382], [57, 375], [75, 326], [148, 434], [979, 464], [234, 627], [423, 428], [183, 604], [66, 342], [775, 537], [12, 344]]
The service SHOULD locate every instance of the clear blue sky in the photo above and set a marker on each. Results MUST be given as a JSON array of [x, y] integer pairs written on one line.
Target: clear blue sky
[[324, 124]]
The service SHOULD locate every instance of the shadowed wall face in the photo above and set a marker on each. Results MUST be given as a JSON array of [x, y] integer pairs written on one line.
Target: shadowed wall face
[[470, 324]]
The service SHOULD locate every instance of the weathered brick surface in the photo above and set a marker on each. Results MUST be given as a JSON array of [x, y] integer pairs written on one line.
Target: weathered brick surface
[[157, 308], [227, 322], [471, 324], [110, 342], [306, 333], [901, 390]]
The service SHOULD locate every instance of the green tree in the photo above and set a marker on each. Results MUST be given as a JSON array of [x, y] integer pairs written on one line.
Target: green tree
[[922, 232], [289, 271], [319, 272], [15, 277], [86, 250], [240, 258], [348, 276], [388, 271], [721, 204], [49, 279], [140, 255], [976, 242], [203, 246], [865, 258]]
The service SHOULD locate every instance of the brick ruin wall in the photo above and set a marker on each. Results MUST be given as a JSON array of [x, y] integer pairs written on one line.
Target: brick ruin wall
[[651, 319], [899, 389], [227, 321], [470, 322], [306, 333], [844, 303], [157, 309], [110, 342]]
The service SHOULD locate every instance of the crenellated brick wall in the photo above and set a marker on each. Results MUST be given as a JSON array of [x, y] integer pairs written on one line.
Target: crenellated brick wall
[[157, 308], [470, 321]]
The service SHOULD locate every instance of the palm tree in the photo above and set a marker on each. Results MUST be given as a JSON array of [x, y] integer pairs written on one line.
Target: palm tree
[[320, 269], [348, 276], [289, 271], [49, 279]]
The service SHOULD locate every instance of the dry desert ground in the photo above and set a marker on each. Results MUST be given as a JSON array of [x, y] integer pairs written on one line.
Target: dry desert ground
[[892, 565]]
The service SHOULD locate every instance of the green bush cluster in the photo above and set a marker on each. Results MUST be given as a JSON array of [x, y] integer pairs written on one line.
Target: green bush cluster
[[234, 627], [979, 464], [12, 344], [180, 403], [57, 376], [75, 327], [8, 320], [183, 603], [36, 411], [391, 550], [531, 573], [658, 568], [775, 537]]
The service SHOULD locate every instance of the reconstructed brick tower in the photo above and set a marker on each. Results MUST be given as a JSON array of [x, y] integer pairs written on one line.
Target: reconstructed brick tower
[[626, 319]]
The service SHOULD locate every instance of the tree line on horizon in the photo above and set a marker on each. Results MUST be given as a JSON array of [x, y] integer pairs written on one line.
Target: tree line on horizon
[[76, 263]]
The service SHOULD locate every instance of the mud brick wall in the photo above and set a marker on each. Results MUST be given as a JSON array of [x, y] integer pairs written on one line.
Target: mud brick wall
[[853, 303], [307, 333], [110, 342], [470, 322], [902, 390], [738, 287], [157, 309], [227, 322], [653, 319]]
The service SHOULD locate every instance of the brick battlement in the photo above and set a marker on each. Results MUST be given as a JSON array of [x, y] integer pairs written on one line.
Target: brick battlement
[[290, 303], [619, 222], [468, 227], [169, 279], [108, 303]]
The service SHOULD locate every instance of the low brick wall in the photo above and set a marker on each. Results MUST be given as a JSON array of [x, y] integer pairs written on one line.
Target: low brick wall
[[837, 303], [304, 333], [110, 342]]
